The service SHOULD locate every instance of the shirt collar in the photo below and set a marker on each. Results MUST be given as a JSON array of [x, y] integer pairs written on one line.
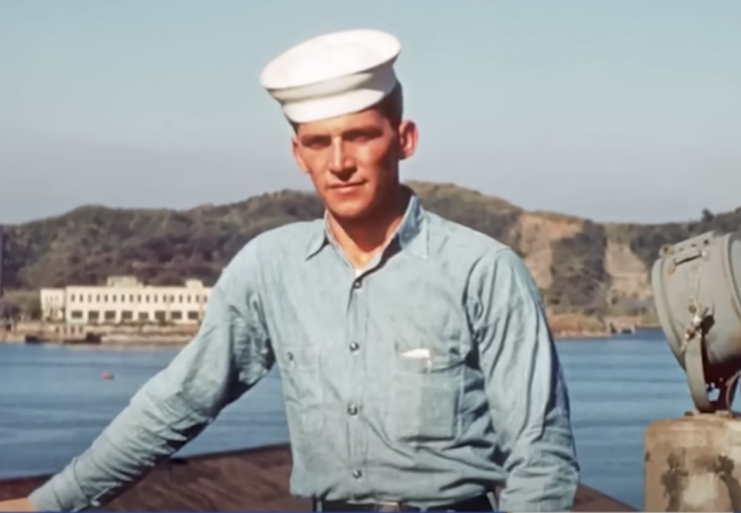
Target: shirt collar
[[411, 232]]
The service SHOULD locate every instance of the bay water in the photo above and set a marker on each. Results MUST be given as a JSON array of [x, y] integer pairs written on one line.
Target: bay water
[[53, 403]]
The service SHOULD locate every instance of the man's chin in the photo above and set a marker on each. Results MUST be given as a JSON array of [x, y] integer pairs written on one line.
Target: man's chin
[[349, 213]]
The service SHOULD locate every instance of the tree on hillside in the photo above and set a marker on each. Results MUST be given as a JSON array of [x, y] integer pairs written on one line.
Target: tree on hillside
[[9, 313], [25, 305]]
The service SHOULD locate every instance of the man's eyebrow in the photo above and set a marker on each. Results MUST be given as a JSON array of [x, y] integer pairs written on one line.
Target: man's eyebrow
[[366, 129], [313, 138]]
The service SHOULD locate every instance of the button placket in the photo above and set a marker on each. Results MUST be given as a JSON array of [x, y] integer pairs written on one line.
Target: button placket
[[355, 335]]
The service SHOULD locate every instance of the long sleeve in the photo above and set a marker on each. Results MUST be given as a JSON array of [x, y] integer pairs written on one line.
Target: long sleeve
[[524, 385], [230, 353]]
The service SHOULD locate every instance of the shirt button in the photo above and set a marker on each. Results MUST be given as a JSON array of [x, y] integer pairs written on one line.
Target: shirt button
[[357, 474], [352, 409], [354, 346], [357, 283]]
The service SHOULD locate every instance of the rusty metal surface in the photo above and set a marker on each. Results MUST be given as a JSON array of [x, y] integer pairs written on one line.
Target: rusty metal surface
[[247, 480], [693, 464]]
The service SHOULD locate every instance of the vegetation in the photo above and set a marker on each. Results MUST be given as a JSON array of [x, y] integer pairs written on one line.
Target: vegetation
[[90, 243], [578, 269], [21, 305]]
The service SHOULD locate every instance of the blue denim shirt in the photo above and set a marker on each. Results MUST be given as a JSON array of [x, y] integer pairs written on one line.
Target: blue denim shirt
[[428, 377]]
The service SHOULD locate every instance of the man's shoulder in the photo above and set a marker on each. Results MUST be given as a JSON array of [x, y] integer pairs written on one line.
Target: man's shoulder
[[484, 259], [297, 234], [478, 255], [288, 239], [450, 238]]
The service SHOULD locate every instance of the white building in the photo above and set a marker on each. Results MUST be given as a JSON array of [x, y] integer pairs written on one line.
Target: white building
[[126, 300]]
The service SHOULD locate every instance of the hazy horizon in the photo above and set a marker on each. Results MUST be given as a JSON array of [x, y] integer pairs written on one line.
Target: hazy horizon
[[614, 111]]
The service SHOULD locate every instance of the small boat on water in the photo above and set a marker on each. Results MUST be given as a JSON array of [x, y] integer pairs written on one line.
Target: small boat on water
[[246, 480], [89, 338]]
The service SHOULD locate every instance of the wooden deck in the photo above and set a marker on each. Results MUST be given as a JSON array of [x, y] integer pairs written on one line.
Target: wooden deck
[[247, 480]]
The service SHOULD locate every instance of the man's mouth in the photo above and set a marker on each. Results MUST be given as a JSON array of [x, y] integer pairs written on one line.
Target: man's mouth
[[345, 186]]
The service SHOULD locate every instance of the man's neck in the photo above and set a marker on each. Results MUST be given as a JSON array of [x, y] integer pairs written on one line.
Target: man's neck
[[363, 239]]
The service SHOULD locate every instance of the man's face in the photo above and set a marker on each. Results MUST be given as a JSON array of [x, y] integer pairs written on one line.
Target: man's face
[[353, 160]]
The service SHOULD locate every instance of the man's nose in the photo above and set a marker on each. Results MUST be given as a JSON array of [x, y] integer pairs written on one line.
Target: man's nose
[[340, 160]]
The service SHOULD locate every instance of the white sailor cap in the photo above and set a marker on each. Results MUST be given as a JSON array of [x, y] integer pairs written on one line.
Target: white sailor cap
[[333, 74]]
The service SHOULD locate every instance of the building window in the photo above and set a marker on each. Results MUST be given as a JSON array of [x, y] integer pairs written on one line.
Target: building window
[[127, 315], [105, 298], [146, 298], [143, 316], [160, 315], [97, 298], [72, 298], [76, 314], [180, 299], [154, 300], [176, 315], [113, 298], [110, 315], [89, 298], [93, 315], [193, 315], [131, 298]]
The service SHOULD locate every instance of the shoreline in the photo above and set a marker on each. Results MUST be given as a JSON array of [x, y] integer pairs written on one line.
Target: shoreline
[[122, 337], [138, 344]]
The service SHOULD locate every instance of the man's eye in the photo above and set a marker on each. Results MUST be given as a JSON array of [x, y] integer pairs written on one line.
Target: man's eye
[[359, 136], [316, 143]]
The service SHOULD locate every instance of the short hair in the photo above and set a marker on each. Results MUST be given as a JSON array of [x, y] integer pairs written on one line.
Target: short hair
[[391, 107]]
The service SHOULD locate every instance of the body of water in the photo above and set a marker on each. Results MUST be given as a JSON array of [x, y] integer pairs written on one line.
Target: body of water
[[53, 404]]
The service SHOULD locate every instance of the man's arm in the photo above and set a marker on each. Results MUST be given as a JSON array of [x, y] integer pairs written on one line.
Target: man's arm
[[230, 354], [524, 385]]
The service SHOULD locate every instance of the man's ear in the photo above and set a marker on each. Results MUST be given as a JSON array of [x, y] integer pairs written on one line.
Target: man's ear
[[296, 152], [408, 137]]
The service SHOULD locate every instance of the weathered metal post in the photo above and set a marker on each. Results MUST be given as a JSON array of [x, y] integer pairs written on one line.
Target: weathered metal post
[[693, 463]]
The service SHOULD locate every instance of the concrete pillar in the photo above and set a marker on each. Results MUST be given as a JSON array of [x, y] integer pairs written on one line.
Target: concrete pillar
[[693, 464]]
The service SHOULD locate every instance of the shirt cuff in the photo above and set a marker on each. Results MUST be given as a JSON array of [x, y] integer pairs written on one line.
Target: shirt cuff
[[60, 493]]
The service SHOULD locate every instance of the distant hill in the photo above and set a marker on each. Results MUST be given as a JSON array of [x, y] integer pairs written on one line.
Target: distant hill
[[580, 265]]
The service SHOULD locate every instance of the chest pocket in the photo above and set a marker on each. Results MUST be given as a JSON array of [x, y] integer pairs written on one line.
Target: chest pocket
[[302, 387], [425, 404]]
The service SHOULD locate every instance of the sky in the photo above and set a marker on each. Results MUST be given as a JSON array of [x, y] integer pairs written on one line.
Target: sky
[[623, 110]]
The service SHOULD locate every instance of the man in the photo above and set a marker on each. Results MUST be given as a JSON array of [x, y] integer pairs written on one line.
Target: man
[[417, 365]]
